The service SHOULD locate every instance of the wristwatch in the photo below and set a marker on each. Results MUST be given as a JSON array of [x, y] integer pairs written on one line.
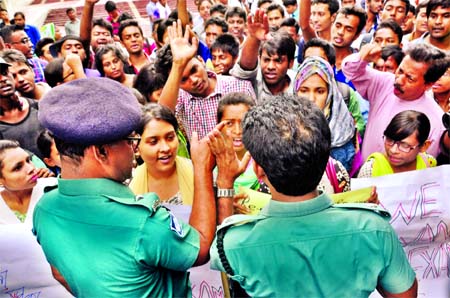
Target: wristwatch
[[225, 192]]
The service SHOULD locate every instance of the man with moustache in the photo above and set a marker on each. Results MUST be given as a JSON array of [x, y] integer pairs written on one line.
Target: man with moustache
[[389, 94]]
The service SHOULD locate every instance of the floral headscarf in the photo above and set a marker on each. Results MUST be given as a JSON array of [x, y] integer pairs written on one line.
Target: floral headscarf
[[339, 118]]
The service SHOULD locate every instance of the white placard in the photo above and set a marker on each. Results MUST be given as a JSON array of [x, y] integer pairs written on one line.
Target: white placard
[[24, 271], [419, 203]]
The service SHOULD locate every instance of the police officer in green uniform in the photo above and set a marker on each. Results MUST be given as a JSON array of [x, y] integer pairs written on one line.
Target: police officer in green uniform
[[100, 239], [301, 244]]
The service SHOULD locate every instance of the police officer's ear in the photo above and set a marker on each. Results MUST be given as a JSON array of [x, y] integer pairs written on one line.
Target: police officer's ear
[[100, 152], [259, 171]]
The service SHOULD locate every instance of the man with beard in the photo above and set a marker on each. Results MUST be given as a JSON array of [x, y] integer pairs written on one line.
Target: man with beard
[[389, 94], [273, 74]]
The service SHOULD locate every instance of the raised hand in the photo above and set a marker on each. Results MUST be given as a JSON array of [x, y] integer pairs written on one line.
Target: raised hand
[[257, 25], [183, 50], [229, 166]]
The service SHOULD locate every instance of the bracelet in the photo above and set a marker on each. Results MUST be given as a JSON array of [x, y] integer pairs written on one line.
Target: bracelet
[[225, 192]]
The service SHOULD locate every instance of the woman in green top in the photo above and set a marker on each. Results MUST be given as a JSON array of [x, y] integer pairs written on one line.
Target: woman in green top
[[405, 144]]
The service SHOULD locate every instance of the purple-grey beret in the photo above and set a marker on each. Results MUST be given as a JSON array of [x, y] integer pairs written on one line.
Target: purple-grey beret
[[90, 111]]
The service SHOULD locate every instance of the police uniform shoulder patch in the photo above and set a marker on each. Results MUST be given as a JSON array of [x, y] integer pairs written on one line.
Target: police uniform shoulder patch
[[175, 225], [149, 200], [366, 206]]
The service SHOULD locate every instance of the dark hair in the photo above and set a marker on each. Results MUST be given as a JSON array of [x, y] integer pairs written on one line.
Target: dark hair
[[407, 123], [357, 12], [159, 112], [438, 61], [105, 49], [227, 43], [236, 11], [233, 99], [148, 80], [174, 15], [162, 28], [198, 3], [392, 51], [129, 23], [289, 137], [5, 145], [12, 55], [163, 61], [404, 1], [7, 31], [19, 13], [69, 9], [42, 43], [275, 6], [53, 72], [290, 22], [110, 6], [422, 4], [281, 44], [329, 50], [44, 143], [70, 150], [104, 24], [433, 4], [219, 7], [261, 2], [218, 22], [391, 24], [289, 2], [412, 9], [333, 5]]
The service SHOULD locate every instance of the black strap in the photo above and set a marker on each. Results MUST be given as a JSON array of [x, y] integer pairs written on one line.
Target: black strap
[[222, 256]]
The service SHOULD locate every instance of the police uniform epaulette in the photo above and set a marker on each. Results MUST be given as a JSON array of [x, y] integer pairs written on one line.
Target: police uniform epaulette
[[366, 206], [239, 219], [50, 188], [149, 200]]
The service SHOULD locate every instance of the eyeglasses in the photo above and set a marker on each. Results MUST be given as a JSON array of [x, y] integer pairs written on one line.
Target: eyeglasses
[[133, 140], [24, 40], [402, 146]]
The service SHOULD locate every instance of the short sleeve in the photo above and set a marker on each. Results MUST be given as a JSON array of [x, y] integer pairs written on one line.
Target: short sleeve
[[398, 276], [167, 242]]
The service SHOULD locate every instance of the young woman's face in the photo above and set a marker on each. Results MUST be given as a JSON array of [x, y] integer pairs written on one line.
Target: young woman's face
[[316, 89], [18, 172], [234, 114], [395, 151], [204, 8], [112, 66], [159, 145]]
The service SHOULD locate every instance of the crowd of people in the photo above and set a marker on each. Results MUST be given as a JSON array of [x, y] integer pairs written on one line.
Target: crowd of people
[[291, 99]]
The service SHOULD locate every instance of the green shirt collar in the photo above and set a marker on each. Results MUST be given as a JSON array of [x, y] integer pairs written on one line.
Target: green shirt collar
[[76, 187], [278, 209]]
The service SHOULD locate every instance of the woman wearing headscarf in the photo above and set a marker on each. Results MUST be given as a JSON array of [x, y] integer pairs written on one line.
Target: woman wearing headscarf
[[315, 80]]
